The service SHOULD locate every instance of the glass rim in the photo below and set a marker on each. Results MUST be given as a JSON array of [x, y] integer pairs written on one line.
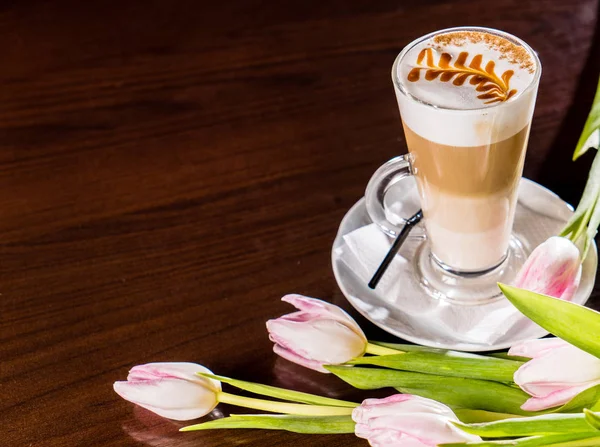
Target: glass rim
[[534, 82]]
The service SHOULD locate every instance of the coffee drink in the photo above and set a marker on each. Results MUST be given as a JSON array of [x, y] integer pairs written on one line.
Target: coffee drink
[[466, 100]]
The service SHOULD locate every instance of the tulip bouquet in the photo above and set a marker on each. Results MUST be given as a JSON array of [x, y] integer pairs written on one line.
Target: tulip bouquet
[[540, 393]]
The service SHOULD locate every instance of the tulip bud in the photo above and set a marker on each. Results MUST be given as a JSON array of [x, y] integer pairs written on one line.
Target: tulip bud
[[404, 420], [318, 334], [553, 268], [171, 390], [557, 372]]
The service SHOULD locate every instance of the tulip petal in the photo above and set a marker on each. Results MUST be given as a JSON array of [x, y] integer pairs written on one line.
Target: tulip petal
[[557, 373], [177, 414], [295, 358], [429, 428], [535, 348], [322, 309], [553, 268], [557, 398], [558, 368], [326, 341], [375, 407], [170, 396], [568, 293], [165, 393], [390, 438], [319, 333], [173, 370], [171, 390], [411, 419], [399, 404]]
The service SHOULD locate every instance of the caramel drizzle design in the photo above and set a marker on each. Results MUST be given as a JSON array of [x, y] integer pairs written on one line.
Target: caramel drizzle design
[[492, 88]]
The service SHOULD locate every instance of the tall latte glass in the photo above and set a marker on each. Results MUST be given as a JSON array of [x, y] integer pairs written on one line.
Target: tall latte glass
[[466, 98]]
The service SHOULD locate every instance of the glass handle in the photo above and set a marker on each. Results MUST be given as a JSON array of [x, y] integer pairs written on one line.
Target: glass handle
[[384, 178]]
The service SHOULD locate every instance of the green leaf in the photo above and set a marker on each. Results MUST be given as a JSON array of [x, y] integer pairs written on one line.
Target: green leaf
[[454, 391], [419, 348], [281, 393], [593, 441], [582, 214], [450, 363], [296, 424], [573, 323], [592, 226], [476, 396], [593, 419], [590, 439], [468, 416], [530, 426], [586, 399], [592, 125]]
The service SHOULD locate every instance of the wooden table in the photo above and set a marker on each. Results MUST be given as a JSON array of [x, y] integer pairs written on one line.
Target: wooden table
[[170, 169]]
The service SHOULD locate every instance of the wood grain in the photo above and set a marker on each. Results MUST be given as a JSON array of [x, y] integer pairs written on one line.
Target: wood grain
[[170, 169]]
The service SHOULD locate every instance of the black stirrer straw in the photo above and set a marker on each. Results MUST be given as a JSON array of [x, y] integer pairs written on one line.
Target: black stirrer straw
[[410, 223]]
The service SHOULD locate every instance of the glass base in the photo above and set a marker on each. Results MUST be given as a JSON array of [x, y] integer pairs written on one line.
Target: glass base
[[468, 288]]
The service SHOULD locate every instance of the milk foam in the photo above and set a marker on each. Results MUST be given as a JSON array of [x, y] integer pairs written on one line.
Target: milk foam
[[446, 94], [453, 115]]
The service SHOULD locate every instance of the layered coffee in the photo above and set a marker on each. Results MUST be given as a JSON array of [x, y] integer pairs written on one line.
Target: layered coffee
[[466, 106]]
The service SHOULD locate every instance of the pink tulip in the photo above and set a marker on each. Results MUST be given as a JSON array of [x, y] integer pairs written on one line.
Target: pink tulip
[[171, 390], [553, 268], [318, 334], [557, 372], [404, 420]]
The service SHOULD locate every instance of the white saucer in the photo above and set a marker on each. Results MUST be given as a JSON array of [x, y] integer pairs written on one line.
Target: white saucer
[[540, 214]]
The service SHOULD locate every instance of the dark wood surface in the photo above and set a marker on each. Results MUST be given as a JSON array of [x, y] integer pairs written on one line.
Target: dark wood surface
[[170, 169]]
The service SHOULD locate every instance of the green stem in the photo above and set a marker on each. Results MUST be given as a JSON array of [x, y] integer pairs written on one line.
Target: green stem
[[567, 231], [293, 423], [381, 350], [281, 393], [583, 224], [468, 416], [281, 407]]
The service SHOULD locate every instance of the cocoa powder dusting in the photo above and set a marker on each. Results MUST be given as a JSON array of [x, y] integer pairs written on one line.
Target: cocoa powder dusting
[[515, 54]]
